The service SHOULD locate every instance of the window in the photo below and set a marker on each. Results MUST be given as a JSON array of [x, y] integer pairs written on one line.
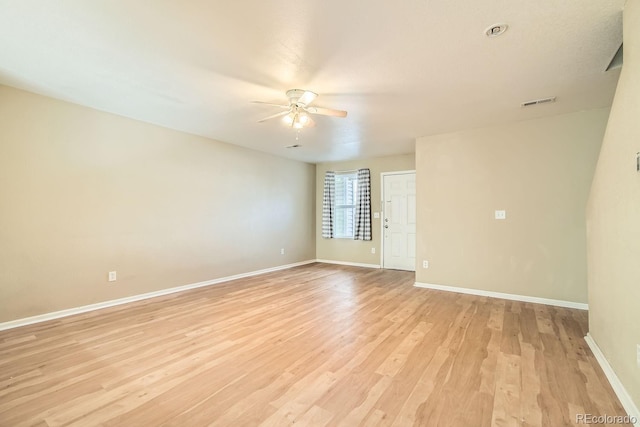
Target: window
[[346, 205], [346, 187]]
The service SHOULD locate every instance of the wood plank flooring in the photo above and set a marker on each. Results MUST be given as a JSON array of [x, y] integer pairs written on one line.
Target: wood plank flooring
[[318, 345]]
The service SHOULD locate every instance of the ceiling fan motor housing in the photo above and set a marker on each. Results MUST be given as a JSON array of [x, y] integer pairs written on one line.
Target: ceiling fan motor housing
[[294, 96]]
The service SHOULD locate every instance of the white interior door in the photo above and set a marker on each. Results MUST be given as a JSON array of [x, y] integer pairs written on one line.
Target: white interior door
[[399, 221]]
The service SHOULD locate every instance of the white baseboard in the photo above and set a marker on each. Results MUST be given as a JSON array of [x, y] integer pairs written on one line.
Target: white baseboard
[[85, 308], [513, 297], [618, 388], [352, 264]]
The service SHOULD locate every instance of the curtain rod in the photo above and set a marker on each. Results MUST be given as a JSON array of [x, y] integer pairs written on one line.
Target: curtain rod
[[349, 171]]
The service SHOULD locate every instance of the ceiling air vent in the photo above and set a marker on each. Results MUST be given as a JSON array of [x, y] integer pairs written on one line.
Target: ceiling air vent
[[538, 101]]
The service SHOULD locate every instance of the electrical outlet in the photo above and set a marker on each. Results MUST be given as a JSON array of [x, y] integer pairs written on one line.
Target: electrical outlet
[[112, 276], [501, 214], [373, 250], [282, 251], [425, 264]]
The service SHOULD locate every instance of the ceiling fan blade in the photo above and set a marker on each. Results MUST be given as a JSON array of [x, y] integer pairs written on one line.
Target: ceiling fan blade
[[270, 103], [327, 112], [307, 97], [273, 116]]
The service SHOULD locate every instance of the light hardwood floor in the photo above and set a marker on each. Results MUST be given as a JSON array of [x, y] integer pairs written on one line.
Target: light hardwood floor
[[315, 345]]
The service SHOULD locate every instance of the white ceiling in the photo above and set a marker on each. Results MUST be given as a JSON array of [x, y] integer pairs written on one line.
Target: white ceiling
[[401, 69]]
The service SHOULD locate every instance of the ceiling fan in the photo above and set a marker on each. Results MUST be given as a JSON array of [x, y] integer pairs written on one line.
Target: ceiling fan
[[296, 114]]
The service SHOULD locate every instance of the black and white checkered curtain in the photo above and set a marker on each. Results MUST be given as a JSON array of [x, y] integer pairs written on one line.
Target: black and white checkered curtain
[[363, 207], [328, 200]]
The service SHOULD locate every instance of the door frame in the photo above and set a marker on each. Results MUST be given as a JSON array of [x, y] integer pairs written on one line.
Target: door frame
[[382, 207]]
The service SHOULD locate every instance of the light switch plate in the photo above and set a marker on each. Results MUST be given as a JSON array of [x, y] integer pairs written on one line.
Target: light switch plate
[[376, 215]]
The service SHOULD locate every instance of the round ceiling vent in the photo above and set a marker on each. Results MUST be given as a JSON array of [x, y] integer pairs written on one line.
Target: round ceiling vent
[[496, 30]]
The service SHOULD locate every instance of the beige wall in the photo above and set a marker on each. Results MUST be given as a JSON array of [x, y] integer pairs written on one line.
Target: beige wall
[[540, 172], [357, 251], [84, 192], [613, 222]]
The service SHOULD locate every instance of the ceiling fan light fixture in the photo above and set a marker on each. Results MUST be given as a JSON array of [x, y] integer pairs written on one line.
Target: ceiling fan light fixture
[[297, 119], [297, 122], [289, 118], [298, 113]]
